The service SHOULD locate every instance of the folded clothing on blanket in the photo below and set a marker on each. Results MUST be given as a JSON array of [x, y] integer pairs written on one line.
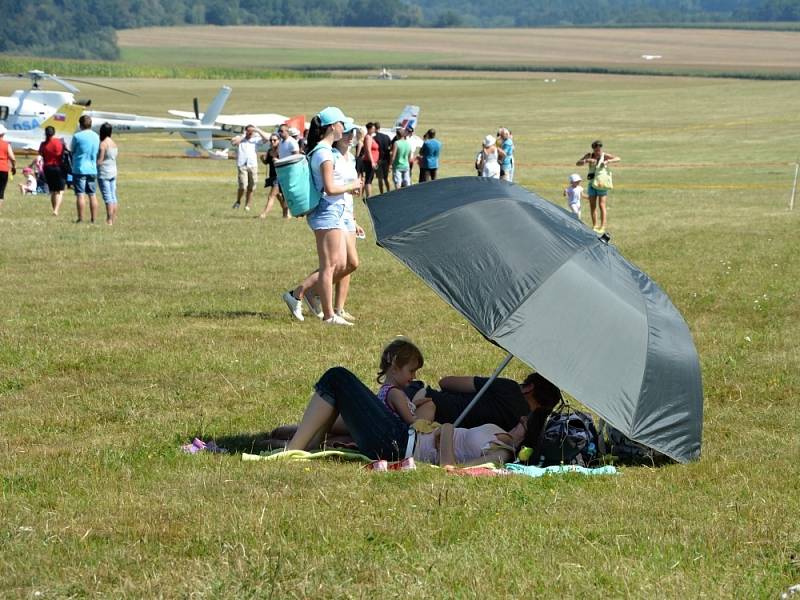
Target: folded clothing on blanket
[[531, 471]]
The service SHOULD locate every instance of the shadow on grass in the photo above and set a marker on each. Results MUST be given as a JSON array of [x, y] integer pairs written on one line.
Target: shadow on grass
[[226, 314], [251, 443]]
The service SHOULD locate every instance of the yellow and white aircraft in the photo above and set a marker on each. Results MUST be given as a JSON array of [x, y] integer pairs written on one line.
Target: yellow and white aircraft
[[64, 120]]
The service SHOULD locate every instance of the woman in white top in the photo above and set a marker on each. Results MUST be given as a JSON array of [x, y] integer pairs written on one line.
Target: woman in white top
[[327, 220], [487, 161]]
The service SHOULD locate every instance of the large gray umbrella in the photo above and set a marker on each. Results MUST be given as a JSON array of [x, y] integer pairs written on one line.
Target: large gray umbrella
[[537, 282]]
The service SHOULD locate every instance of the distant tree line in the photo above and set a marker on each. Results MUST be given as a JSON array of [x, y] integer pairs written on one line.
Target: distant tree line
[[86, 28]]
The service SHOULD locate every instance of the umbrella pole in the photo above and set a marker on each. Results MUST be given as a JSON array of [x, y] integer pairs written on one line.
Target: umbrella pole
[[480, 393]]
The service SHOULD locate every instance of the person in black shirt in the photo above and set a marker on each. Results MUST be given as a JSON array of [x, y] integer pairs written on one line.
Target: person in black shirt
[[503, 403], [382, 171]]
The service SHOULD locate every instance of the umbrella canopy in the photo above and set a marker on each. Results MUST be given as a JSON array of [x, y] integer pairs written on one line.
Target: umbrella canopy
[[534, 280]]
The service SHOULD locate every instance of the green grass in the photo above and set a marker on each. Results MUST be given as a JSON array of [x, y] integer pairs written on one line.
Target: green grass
[[118, 344], [272, 57]]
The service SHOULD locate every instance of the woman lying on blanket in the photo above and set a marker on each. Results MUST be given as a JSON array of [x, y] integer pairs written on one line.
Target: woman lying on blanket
[[381, 433]]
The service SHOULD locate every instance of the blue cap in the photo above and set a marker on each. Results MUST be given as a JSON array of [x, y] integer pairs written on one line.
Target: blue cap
[[349, 125], [330, 115]]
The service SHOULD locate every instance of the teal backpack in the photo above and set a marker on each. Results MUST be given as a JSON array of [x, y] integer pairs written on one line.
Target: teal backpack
[[297, 183]]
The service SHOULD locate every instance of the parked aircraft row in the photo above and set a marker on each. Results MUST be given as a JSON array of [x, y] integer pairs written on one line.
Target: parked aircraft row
[[25, 112]]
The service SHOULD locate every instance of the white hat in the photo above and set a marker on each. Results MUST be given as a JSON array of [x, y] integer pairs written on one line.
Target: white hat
[[489, 140], [2, 129], [574, 178], [294, 131]]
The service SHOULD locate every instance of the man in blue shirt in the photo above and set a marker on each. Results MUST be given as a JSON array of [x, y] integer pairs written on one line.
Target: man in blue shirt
[[85, 147], [506, 155], [429, 156]]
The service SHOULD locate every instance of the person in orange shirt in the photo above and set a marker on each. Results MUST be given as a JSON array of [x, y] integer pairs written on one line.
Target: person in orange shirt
[[8, 163]]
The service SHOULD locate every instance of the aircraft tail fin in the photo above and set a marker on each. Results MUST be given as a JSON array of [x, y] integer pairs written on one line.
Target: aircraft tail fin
[[65, 119], [216, 106], [407, 118]]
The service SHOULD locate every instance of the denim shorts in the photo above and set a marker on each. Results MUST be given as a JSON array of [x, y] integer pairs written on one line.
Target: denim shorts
[[108, 188], [595, 192], [349, 222], [84, 184], [327, 216]]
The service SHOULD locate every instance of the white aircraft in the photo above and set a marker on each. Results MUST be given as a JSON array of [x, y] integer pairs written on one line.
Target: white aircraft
[[27, 109], [229, 126], [651, 56]]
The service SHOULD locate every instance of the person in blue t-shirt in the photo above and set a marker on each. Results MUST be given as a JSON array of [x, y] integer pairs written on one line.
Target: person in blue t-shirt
[[85, 148], [506, 154], [429, 156]]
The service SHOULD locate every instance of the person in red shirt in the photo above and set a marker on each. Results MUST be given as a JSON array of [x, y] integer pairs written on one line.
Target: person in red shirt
[[8, 162], [52, 150]]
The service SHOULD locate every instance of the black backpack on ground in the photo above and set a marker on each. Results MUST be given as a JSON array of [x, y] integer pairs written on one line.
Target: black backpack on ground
[[569, 438], [625, 450]]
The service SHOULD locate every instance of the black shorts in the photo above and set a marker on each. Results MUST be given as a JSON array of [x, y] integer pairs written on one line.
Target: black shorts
[[369, 172], [270, 181], [3, 183], [54, 178]]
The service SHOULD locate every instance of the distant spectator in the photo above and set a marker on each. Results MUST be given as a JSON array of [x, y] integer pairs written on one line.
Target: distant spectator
[[288, 144], [85, 147], [52, 150], [429, 156], [487, 161], [269, 158], [506, 152], [8, 163], [247, 163], [597, 159], [384, 156], [574, 194], [368, 154], [107, 172], [400, 159], [28, 185]]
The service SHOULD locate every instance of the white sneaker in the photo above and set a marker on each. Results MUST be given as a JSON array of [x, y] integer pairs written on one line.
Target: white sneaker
[[345, 315], [295, 306], [337, 320], [313, 303]]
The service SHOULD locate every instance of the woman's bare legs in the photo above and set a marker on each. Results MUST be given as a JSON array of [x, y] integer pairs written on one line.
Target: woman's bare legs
[[343, 285], [593, 210], [55, 201], [318, 419], [603, 211], [332, 252]]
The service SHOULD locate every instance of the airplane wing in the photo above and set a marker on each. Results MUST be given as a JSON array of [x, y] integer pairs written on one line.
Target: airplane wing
[[261, 120], [184, 114]]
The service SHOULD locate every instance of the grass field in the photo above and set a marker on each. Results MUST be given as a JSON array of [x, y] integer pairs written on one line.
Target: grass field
[[689, 50], [119, 344]]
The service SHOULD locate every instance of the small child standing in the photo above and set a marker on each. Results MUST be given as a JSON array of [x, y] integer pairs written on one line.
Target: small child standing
[[573, 193]]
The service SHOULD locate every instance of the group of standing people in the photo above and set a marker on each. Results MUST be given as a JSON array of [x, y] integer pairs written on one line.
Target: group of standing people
[[91, 160], [496, 157]]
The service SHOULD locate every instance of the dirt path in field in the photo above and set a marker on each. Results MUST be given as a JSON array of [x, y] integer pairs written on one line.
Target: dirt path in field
[[694, 48]]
